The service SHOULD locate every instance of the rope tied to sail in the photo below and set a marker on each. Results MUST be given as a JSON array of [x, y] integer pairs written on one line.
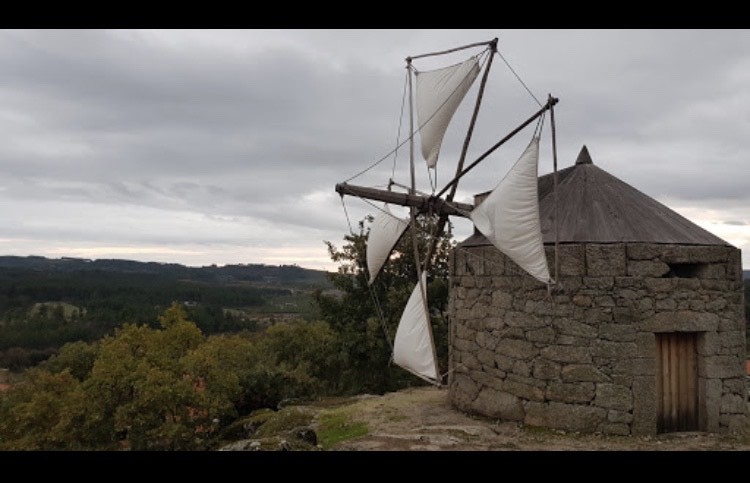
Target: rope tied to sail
[[381, 316], [343, 204], [400, 124], [519, 78]]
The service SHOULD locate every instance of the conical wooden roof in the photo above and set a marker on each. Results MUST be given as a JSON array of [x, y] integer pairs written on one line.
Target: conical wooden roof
[[596, 207]]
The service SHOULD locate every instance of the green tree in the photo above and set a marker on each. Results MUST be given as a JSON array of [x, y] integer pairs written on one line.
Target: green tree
[[365, 336], [77, 357], [306, 354], [43, 412], [142, 392], [214, 369]]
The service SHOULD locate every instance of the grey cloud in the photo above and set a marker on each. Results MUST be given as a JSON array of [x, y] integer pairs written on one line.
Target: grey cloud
[[177, 123]]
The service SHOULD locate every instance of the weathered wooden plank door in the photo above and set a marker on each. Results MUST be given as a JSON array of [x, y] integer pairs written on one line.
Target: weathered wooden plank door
[[677, 382]]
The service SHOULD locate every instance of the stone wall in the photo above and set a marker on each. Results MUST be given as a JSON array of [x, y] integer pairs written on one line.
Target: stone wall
[[583, 358]]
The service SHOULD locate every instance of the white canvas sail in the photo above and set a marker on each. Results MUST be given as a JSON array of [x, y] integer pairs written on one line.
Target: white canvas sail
[[385, 232], [438, 94], [509, 216], [413, 347]]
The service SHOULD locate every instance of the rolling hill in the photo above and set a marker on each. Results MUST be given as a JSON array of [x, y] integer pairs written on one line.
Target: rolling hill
[[282, 275]]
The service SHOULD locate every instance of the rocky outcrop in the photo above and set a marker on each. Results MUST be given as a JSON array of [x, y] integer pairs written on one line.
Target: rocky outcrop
[[268, 430]]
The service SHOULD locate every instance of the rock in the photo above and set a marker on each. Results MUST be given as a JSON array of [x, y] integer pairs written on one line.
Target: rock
[[244, 445], [304, 433]]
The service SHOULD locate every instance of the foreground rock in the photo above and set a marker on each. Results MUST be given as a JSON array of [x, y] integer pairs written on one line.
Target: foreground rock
[[421, 419]]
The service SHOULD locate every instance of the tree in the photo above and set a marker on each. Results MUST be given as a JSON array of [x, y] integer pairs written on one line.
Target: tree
[[143, 394], [305, 353], [141, 388], [43, 412], [215, 369], [365, 337], [76, 357]]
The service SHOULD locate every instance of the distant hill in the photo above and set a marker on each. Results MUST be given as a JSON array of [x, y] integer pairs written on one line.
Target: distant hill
[[286, 275], [746, 275], [47, 302]]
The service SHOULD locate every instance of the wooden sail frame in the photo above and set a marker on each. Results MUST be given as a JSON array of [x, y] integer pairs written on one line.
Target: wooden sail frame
[[420, 203], [421, 281]]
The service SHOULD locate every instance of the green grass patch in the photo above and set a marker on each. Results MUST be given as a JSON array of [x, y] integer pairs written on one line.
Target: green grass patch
[[284, 420], [337, 427], [299, 303]]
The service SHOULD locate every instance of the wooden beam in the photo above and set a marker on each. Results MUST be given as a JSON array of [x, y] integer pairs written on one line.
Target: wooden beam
[[452, 193], [442, 52], [421, 203], [550, 102]]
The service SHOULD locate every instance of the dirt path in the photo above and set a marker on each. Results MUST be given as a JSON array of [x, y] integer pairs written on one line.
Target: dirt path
[[421, 419]]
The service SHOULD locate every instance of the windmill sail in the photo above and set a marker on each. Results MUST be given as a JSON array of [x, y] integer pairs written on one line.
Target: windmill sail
[[438, 94], [385, 232], [413, 347], [509, 216]]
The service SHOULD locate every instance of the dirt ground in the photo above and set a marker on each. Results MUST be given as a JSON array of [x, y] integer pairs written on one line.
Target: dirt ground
[[421, 419]]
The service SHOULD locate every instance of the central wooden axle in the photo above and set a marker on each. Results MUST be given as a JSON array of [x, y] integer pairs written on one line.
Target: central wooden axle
[[423, 204]]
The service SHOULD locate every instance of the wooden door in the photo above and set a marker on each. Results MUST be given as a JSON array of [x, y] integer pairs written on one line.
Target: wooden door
[[677, 382]]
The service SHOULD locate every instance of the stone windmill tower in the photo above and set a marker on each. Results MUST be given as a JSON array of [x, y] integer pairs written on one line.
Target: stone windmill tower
[[645, 333]]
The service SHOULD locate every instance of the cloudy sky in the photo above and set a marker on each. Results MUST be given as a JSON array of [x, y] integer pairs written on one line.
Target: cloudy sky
[[224, 146]]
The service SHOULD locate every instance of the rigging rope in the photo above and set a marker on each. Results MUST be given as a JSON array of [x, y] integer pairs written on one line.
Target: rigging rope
[[351, 230], [433, 183], [539, 125], [373, 295], [400, 123], [379, 310], [519, 79]]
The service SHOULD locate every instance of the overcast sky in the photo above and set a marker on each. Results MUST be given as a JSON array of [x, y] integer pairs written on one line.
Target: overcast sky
[[220, 146]]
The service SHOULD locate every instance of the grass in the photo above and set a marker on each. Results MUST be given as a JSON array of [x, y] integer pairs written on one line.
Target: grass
[[336, 427], [284, 420]]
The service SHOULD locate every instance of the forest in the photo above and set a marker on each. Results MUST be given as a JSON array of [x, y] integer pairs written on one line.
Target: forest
[[133, 372], [45, 303]]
